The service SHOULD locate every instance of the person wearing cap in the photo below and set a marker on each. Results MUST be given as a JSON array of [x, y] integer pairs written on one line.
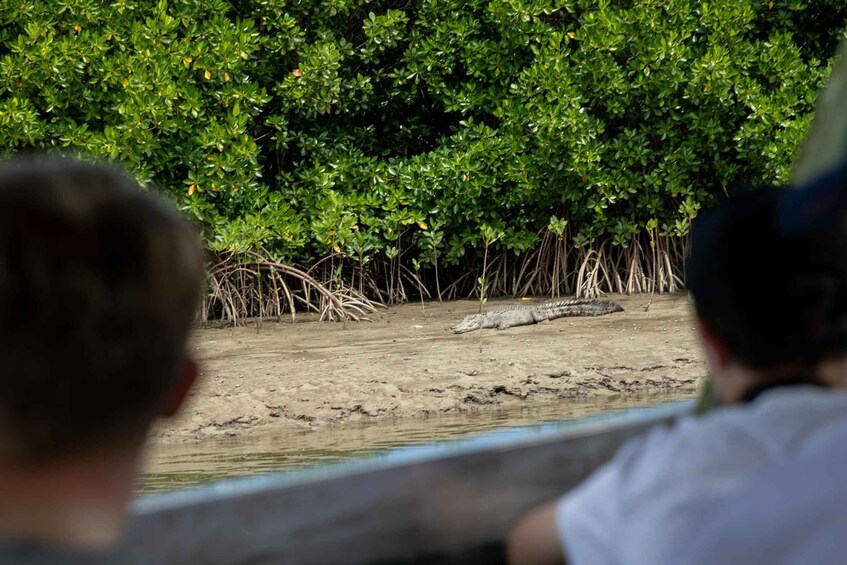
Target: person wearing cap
[[794, 512], [771, 304]]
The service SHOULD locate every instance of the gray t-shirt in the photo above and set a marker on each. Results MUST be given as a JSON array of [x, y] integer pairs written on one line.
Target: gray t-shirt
[[794, 513], [655, 499]]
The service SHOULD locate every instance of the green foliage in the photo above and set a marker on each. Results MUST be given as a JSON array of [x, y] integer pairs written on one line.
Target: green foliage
[[418, 129]]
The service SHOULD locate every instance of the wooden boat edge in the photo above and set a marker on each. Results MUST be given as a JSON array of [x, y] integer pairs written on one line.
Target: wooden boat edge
[[452, 507]]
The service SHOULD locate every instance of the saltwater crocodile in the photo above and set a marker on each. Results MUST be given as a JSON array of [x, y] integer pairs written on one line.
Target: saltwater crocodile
[[526, 314]]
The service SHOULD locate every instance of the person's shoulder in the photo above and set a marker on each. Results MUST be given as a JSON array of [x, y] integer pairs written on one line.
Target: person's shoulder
[[794, 512], [680, 467], [731, 441], [685, 443], [644, 478]]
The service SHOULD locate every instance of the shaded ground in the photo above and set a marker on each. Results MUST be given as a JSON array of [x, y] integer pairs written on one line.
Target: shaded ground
[[306, 375]]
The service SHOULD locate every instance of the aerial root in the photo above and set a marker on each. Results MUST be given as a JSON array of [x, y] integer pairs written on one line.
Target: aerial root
[[339, 288], [251, 286]]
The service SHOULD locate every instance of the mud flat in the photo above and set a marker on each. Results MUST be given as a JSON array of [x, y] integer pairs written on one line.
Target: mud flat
[[298, 377]]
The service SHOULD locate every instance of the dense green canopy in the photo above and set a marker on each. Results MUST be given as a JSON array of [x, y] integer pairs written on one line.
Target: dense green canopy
[[403, 133]]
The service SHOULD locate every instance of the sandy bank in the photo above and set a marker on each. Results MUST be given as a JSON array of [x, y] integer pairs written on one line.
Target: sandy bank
[[303, 375]]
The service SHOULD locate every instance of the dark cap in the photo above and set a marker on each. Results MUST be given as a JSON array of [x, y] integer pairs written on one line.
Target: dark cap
[[773, 297], [816, 205]]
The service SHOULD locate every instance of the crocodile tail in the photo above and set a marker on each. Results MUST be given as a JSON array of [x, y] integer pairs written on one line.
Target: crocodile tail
[[614, 306], [586, 307], [601, 307]]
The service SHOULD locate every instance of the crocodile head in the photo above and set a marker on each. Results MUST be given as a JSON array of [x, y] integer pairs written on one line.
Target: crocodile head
[[469, 324]]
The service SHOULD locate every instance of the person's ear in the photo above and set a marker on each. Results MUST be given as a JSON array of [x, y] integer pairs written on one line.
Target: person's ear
[[717, 354], [182, 385]]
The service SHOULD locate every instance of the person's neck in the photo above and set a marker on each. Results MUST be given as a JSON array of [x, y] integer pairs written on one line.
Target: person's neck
[[75, 503], [737, 382]]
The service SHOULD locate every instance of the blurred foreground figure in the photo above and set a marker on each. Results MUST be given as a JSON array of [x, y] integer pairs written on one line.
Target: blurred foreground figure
[[795, 512], [98, 287], [771, 305]]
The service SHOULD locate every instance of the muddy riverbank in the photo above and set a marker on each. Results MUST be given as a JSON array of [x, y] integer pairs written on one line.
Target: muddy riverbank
[[300, 377], [179, 464]]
